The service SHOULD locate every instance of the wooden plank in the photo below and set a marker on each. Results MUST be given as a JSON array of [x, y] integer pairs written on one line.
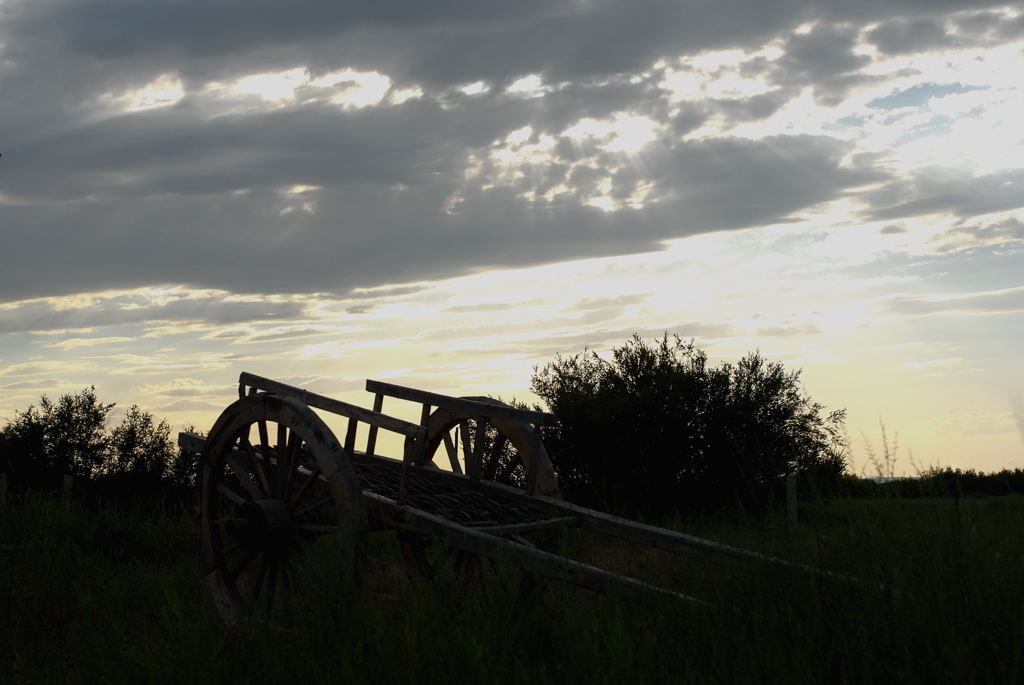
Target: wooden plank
[[557, 522], [371, 439], [653, 536], [528, 558], [458, 403], [332, 405], [663, 538], [350, 435]]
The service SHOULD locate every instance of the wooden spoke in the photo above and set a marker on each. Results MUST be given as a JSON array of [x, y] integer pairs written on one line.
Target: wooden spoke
[[230, 548], [282, 444], [311, 507], [230, 494], [244, 479], [264, 438], [286, 579], [292, 461], [272, 583], [257, 464], [249, 558], [453, 451], [260, 577], [301, 546], [312, 476], [467, 449]]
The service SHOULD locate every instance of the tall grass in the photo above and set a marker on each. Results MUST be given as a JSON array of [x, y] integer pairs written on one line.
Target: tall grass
[[107, 596]]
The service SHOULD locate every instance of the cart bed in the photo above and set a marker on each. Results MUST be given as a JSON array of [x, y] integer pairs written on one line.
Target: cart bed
[[452, 497]]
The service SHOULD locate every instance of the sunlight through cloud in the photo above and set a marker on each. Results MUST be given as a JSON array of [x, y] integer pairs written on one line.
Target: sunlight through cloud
[[164, 91]]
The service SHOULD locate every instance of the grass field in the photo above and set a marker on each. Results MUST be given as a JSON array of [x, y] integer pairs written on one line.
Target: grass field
[[105, 596]]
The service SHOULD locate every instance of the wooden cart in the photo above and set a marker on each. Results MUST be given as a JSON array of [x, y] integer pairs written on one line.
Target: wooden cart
[[277, 488]]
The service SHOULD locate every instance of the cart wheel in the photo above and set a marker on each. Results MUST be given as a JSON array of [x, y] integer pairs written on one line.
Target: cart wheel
[[497, 449], [280, 507]]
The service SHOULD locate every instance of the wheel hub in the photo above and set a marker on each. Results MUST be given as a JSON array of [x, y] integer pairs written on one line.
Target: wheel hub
[[263, 525]]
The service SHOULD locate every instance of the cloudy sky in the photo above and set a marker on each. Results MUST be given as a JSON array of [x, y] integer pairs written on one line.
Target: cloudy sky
[[446, 194]]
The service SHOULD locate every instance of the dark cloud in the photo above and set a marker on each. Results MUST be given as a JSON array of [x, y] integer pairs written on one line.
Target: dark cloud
[[756, 107], [966, 236], [988, 27], [47, 316], [906, 35], [996, 302], [196, 192], [365, 234], [946, 190], [823, 58], [902, 36]]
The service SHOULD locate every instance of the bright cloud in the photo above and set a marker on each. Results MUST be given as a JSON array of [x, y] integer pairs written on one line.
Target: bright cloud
[[164, 91]]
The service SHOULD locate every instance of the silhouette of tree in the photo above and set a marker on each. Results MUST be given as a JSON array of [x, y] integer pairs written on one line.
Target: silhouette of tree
[[183, 467], [66, 436], [656, 430], [140, 446], [75, 436], [23, 450]]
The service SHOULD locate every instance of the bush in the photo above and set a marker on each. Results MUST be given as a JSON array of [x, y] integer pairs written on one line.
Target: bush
[[657, 431], [66, 436], [69, 436], [140, 446]]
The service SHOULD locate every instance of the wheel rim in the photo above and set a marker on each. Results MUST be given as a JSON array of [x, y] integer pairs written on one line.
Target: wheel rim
[[280, 500], [507, 452]]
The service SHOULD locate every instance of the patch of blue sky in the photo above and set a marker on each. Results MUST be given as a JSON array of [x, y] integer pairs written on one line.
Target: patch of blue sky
[[940, 124], [919, 95], [893, 118], [851, 121]]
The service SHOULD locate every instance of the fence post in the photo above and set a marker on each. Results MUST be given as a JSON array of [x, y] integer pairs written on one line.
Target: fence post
[[65, 491], [3, 491], [791, 498]]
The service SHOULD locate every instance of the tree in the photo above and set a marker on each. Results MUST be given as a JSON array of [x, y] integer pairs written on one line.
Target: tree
[[23, 450], [140, 447], [183, 469], [66, 436], [656, 430], [75, 437]]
